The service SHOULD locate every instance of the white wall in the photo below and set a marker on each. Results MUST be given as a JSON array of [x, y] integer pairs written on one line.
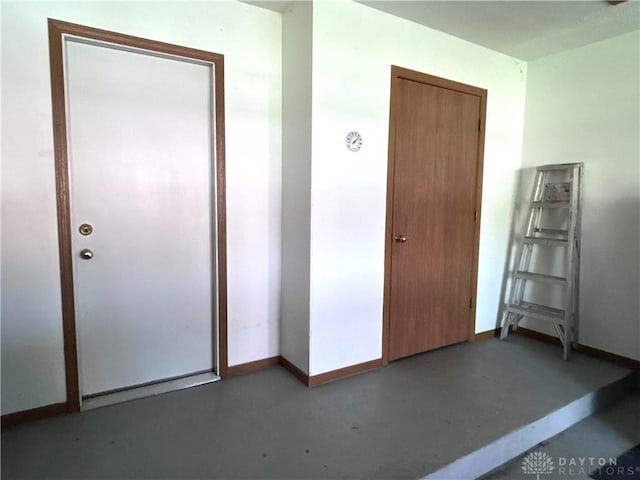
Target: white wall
[[250, 39], [582, 106], [296, 182], [354, 47]]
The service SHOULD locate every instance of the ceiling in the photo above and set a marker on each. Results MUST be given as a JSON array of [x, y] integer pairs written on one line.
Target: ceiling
[[520, 28]]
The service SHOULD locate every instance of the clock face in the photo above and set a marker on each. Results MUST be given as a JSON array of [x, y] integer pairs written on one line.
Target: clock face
[[354, 141]]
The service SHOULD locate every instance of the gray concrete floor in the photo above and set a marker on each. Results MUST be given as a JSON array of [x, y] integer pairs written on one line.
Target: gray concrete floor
[[581, 449], [403, 421]]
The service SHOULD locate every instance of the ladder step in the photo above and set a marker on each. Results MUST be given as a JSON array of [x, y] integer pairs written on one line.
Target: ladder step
[[550, 310], [560, 242], [541, 277], [550, 205], [541, 312], [552, 231], [560, 166]]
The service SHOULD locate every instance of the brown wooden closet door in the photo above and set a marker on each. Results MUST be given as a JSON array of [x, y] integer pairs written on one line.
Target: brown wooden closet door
[[436, 158]]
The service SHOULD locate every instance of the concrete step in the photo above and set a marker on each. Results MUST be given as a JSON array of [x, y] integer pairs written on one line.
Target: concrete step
[[506, 452], [589, 446]]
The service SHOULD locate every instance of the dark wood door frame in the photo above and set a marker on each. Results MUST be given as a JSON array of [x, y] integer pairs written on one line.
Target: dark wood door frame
[[57, 31], [398, 74]]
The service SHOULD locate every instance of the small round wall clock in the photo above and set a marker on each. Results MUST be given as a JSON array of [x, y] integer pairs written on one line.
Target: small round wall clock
[[354, 141]]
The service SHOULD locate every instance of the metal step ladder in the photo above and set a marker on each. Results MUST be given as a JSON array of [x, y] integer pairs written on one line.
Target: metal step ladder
[[557, 197]]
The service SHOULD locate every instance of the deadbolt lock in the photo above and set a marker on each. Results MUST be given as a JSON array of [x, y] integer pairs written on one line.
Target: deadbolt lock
[[85, 229]]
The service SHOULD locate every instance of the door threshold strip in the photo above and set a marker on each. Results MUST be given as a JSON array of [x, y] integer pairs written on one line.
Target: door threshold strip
[[148, 390]]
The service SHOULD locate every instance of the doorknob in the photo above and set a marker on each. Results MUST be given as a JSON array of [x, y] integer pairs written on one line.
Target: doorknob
[[400, 238], [86, 254]]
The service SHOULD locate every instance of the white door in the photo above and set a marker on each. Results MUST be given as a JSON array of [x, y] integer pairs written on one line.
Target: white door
[[140, 153]]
